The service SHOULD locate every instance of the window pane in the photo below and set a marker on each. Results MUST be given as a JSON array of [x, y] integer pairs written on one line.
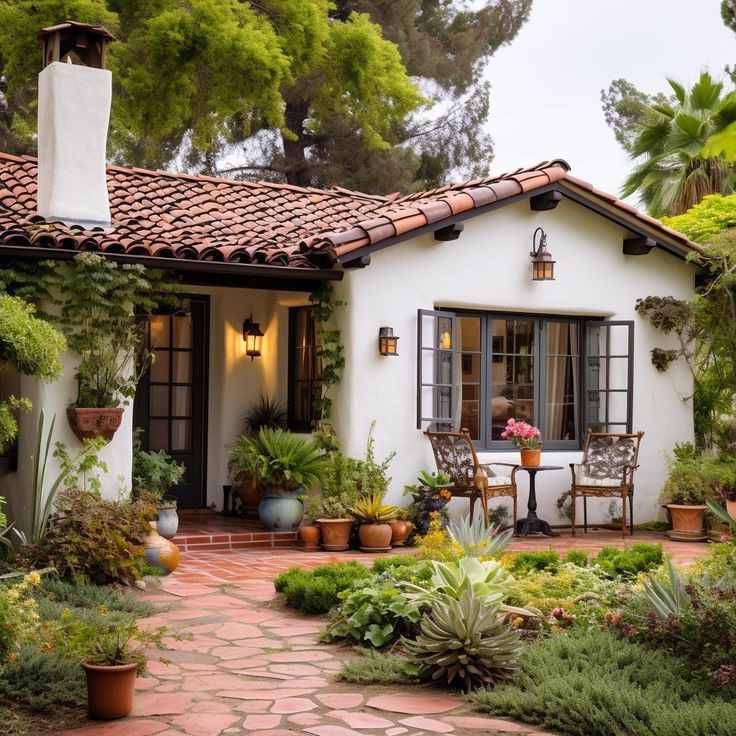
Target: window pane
[[470, 413], [159, 330], [181, 434], [159, 370], [182, 367], [182, 332], [469, 333], [158, 434], [561, 396], [159, 401], [181, 401], [618, 373], [523, 337]]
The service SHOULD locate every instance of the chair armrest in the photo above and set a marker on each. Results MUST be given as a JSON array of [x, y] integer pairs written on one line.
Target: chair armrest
[[514, 467]]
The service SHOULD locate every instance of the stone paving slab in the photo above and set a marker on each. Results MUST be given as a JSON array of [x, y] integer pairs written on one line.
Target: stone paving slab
[[248, 666]]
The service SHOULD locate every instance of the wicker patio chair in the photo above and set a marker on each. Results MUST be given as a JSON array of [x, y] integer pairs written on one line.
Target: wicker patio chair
[[455, 455], [606, 471]]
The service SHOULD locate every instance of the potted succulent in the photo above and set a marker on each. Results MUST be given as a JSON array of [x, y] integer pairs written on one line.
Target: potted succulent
[[283, 466], [684, 494], [156, 473], [374, 530], [267, 412], [115, 659], [330, 508], [527, 439]]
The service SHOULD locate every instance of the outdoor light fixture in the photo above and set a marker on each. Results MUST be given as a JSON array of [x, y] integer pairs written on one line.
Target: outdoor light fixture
[[543, 267], [387, 343], [252, 337]]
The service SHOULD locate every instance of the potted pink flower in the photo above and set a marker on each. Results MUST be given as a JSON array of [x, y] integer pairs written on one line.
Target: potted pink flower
[[527, 439]]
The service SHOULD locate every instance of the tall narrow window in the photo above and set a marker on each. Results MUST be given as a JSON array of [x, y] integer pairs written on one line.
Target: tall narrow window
[[471, 359], [305, 369], [562, 379]]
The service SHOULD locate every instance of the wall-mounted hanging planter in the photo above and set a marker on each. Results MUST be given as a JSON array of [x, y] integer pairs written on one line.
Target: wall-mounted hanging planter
[[89, 423]]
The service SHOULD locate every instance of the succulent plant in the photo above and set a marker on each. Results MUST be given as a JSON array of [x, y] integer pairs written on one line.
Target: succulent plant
[[373, 511], [477, 540], [465, 643]]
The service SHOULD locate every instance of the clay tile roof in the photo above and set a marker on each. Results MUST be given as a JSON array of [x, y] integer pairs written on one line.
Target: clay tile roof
[[165, 215]]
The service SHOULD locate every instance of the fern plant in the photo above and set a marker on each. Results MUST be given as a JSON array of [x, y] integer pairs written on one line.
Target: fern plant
[[465, 642]]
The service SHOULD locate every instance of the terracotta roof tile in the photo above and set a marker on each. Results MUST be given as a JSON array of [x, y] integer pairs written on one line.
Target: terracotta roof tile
[[166, 215]]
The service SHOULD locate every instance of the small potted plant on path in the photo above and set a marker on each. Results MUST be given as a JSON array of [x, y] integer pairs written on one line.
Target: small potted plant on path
[[156, 473], [527, 439], [284, 466], [373, 516], [115, 659], [684, 494], [430, 496]]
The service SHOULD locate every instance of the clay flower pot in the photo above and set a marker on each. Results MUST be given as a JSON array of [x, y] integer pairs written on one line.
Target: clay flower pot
[[687, 521], [335, 533], [399, 532], [110, 690], [731, 508], [89, 423], [531, 458], [249, 494], [310, 536], [375, 537]]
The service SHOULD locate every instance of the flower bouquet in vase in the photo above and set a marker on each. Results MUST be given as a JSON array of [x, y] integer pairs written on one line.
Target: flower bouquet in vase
[[527, 439]]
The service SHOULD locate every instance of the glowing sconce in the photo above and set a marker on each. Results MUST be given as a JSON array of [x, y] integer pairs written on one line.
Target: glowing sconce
[[252, 337]]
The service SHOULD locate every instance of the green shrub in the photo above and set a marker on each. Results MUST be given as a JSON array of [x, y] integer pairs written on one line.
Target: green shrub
[[542, 560], [378, 668], [591, 683], [43, 680], [640, 557], [390, 564], [577, 557], [83, 595], [317, 591]]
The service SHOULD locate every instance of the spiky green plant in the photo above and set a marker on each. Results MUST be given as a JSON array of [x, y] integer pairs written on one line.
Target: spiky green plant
[[667, 599], [475, 539], [465, 643], [373, 511]]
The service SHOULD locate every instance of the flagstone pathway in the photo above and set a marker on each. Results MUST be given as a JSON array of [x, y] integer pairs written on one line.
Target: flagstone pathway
[[250, 666]]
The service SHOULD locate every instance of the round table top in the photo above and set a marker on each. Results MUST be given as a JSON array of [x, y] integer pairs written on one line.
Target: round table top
[[542, 467]]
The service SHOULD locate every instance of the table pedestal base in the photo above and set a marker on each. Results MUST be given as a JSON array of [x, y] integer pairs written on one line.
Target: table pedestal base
[[532, 525]]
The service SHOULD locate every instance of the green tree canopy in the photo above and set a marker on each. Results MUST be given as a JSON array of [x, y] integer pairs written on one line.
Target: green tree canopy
[[307, 91], [709, 217]]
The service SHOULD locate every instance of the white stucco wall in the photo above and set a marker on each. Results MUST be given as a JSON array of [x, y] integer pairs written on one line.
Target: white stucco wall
[[488, 268]]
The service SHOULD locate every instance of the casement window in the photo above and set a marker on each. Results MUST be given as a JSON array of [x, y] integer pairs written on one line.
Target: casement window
[[305, 369], [564, 375]]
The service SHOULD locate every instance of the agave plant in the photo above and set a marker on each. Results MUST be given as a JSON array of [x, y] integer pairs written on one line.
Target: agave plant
[[373, 510], [722, 515], [667, 599], [476, 540], [465, 642]]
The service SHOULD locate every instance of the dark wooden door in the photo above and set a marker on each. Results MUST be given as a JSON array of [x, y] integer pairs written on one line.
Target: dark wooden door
[[171, 400]]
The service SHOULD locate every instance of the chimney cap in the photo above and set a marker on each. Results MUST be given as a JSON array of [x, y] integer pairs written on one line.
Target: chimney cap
[[77, 43]]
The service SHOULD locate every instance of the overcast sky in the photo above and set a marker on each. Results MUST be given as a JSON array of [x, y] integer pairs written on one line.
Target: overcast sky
[[545, 101]]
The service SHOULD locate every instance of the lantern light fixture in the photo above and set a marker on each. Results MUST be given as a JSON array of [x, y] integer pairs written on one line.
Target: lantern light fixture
[[388, 343], [252, 337], [543, 267]]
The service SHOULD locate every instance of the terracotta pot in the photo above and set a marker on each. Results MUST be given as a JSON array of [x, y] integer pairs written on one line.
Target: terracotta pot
[[399, 532], [310, 536], [335, 533], [89, 423], [731, 508], [375, 536], [161, 552], [110, 690], [531, 458], [249, 493], [687, 519]]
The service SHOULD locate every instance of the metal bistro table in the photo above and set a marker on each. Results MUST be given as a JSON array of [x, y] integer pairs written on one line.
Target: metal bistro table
[[532, 524]]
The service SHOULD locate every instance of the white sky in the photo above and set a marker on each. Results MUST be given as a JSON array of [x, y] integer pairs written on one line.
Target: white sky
[[545, 101]]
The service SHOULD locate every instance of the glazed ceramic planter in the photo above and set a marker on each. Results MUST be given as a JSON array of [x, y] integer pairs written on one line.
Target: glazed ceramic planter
[[335, 533], [282, 512], [160, 552], [375, 537], [687, 520], [310, 536], [90, 423], [399, 532], [167, 522], [110, 690], [531, 458]]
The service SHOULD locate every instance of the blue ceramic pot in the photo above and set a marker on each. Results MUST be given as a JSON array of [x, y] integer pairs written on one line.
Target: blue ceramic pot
[[281, 512], [167, 522]]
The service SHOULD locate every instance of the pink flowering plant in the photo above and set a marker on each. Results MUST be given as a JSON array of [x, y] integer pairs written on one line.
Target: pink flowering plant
[[523, 435]]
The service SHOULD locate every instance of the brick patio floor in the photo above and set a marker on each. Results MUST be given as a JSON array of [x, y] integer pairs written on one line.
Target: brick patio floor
[[249, 666]]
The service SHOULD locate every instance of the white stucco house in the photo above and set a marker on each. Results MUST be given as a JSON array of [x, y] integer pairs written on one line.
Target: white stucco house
[[445, 269]]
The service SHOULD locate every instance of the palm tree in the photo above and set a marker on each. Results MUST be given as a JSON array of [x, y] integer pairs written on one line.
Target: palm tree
[[676, 169]]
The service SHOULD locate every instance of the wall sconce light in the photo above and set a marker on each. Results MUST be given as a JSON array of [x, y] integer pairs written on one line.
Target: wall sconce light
[[387, 343], [543, 267], [252, 337]]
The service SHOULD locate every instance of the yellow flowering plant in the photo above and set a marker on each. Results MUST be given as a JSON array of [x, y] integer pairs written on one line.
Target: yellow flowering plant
[[19, 620]]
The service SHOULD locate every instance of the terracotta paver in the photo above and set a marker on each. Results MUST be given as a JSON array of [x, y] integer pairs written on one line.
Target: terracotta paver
[[252, 667]]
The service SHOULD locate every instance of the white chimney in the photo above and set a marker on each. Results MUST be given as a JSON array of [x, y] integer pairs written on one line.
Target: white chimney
[[74, 95]]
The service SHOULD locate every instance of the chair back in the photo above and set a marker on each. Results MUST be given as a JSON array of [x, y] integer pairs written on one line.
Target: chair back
[[611, 456], [455, 455]]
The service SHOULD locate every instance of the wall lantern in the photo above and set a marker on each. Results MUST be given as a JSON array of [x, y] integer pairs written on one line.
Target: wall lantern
[[387, 343], [252, 337], [543, 267]]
